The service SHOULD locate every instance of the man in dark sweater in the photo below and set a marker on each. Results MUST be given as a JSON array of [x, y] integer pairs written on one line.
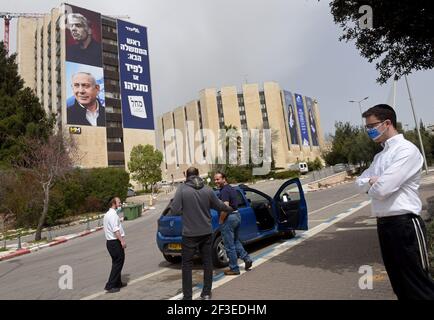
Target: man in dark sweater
[[194, 200]]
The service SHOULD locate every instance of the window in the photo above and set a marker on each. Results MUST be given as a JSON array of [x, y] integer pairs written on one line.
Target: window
[[255, 198], [112, 110], [110, 55], [114, 140], [110, 68], [240, 200], [113, 95], [109, 41], [114, 124]]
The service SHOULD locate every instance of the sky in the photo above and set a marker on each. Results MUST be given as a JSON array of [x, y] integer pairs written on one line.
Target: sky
[[197, 44]]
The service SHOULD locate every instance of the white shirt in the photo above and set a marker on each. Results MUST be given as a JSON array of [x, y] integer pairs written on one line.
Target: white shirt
[[112, 223], [92, 117], [398, 167]]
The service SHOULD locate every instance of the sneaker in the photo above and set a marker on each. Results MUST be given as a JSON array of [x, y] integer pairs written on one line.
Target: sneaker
[[248, 264], [113, 290], [231, 272]]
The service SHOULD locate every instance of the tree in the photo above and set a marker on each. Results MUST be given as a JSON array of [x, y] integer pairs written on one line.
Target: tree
[[401, 38], [47, 162], [427, 141], [144, 165], [21, 115]]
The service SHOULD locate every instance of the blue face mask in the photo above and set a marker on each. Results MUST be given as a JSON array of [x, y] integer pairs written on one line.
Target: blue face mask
[[118, 210], [374, 134]]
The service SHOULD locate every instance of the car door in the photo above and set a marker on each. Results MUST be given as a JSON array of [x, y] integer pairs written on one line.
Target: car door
[[248, 228], [289, 206]]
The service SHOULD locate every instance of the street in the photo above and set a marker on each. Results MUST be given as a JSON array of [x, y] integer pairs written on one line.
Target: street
[[321, 263]]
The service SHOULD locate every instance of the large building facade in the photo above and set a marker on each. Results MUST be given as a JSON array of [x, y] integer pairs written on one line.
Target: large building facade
[[56, 53], [293, 120]]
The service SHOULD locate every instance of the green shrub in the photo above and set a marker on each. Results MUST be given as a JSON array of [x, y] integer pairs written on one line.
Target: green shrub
[[289, 174]]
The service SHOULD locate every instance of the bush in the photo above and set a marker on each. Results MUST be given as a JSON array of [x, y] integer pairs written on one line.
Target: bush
[[284, 175]]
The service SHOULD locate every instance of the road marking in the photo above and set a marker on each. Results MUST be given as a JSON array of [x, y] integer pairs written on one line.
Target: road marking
[[356, 228], [278, 249], [147, 276], [334, 203]]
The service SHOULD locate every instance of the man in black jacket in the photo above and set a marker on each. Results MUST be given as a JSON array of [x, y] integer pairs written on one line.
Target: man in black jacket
[[194, 200]]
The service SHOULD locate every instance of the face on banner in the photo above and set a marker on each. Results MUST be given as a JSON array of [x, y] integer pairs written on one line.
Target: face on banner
[[83, 36], [312, 124], [134, 75], [302, 120], [292, 124]]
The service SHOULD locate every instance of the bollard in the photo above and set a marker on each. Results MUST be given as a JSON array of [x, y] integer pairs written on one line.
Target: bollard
[[19, 241], [49, 236], [87, 223], [150, 200]]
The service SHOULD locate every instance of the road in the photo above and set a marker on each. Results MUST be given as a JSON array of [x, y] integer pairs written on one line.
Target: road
[[36, 276]]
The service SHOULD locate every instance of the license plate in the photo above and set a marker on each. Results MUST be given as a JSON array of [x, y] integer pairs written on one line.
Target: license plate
[[174, 246]]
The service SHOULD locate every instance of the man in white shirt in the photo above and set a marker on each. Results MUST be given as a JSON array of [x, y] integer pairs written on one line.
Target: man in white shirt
[[392, 182], [114, 234]]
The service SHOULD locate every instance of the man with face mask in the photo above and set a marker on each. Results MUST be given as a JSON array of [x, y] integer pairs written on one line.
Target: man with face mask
[[85, 50], [114, 234], [392, 182]]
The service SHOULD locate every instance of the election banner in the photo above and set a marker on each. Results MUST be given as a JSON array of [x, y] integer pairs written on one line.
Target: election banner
[[135, 79], [302, 120], [312, 124], [292, 123]]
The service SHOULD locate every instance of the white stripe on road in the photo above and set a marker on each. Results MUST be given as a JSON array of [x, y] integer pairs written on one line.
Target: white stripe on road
[[147, 276], [334, 203], [356, 228], [277, 249]]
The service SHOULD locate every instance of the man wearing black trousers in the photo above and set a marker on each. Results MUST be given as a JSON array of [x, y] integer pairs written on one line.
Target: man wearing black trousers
[[392, 182], [116, 245], [194, 200]]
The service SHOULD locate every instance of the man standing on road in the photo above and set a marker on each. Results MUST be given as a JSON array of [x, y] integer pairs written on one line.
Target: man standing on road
[[231, 222], [194, 200], [114, 233], [392, 182]]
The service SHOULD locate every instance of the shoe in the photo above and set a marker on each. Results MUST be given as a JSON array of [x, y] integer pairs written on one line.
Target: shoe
[[205, 297], [123, 284], [231, 273], [248, 264], [113, 290], [184, 298]]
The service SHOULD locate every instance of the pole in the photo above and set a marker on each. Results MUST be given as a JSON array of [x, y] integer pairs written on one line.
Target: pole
[[360, 108], [417, 126]]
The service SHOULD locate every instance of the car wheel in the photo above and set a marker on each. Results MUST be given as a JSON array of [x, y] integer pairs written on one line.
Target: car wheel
[[219, 257], [172, 259], [288, 234]]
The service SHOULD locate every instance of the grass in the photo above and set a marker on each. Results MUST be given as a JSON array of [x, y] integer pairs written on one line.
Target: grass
[[3, 249]]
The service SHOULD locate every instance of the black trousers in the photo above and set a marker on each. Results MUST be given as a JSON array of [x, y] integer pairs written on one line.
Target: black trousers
[[117, 253], [405, 255], [189, 245]]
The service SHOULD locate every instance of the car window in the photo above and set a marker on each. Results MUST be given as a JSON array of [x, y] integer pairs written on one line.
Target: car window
[[240, 200], [255, 197], [290, 193]]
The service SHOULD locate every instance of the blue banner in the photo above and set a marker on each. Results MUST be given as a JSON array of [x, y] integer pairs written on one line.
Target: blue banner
[[302, 120], [312, 124], [292, 123], [135, 79]]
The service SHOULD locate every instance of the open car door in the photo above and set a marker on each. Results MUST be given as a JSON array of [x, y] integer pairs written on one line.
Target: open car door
[[289, 205]]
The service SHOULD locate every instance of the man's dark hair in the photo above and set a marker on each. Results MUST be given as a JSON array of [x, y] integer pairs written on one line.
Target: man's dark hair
[[113, 201], [382, 112], [192, 171], [222, 174]]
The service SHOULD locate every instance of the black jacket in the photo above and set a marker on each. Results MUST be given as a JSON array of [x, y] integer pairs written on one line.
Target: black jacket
[[76, 115], [194, 200]]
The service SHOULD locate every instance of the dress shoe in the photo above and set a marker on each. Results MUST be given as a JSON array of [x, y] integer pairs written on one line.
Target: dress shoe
[[205, 297], [231, 273], [248, 264], [123, 284], [113, 290]]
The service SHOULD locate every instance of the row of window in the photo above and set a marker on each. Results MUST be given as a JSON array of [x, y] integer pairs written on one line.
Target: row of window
[[109, 41]]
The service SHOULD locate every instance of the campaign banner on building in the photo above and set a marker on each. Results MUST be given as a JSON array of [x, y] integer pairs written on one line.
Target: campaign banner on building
[[312, 124], [302, 120], [84, 73], [135, 79], [292, 123]]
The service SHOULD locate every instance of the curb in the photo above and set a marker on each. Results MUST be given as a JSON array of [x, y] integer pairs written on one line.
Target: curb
[[53, 243]]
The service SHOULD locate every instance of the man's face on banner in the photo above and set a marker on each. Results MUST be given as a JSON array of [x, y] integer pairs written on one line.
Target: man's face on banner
[[85, 89], [80, 30]]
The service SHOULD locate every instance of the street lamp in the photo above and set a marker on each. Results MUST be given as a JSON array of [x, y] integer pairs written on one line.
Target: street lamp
[[360, 106]]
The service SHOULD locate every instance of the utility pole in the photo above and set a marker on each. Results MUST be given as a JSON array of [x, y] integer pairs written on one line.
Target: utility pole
[[417, 125], [360, 107]]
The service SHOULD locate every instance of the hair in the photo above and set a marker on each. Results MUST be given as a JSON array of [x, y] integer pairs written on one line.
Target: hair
[[192, 171], [113, 201], [382, 112], [222, 174], [92, 78], [80, 17]]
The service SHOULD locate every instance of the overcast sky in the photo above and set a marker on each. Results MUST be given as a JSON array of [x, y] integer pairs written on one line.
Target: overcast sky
[[195, 44]]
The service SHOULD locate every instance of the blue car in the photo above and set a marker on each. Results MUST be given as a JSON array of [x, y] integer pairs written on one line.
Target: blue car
[[262, 216]]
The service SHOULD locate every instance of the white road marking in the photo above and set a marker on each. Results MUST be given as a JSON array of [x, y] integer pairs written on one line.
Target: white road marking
[[147, 276], [280, 248], [334, 203], [356, 228]]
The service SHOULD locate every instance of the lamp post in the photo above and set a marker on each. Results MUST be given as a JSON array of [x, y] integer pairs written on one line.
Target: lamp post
[[360, 106]]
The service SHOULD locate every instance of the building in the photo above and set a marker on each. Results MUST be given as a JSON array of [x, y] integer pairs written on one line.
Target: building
[[293, 117], [61, 53]]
